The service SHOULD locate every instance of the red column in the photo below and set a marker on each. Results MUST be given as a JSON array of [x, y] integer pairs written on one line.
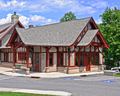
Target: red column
[[58, 57], [47, 58], [69, 56], [14, 60], [13, 57], [27, 58]]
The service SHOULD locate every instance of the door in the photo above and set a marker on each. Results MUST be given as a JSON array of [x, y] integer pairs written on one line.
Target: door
[[87, 61], [6, 57], [37, 62]]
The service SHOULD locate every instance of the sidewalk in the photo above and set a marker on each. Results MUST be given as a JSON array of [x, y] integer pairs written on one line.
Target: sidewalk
[[58, 93], [21, 73]]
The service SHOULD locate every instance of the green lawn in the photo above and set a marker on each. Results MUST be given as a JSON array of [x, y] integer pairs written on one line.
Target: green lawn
[[20, 94], [117, 75]]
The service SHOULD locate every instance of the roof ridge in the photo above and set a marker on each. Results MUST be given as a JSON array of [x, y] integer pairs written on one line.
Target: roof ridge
[[6, 24], [58, 23]]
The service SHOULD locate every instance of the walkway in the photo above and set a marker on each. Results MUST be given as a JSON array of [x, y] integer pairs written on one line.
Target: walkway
[[59, 93], [21, 73]]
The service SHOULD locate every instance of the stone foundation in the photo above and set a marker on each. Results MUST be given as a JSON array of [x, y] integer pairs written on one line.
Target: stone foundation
[[96, 68], [72, 70]]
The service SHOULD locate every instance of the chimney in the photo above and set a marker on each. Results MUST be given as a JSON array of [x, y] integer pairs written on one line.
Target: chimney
[[14, 18], [30, 26]]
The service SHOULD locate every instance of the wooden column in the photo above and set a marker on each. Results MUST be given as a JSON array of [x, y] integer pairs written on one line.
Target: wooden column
[[90, 61], [47, 58], [14, 54], [58, 56], [27, 57]]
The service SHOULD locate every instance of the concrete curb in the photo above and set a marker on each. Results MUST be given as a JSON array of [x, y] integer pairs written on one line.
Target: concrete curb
[[52, 77], [58, 93]]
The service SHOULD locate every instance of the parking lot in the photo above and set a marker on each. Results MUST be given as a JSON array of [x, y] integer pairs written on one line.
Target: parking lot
[[92, 78], [91, 85]]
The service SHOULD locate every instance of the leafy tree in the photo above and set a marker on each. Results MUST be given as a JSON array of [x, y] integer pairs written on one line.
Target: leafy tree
[[110, 28], [68, 17]]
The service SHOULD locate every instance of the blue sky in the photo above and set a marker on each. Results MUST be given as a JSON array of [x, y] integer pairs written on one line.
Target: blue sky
[[42, 12]]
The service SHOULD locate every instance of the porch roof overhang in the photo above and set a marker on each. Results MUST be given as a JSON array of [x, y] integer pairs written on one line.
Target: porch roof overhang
[[90, 36]]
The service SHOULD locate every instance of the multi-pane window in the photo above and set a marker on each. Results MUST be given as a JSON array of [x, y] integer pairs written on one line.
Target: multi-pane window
[[61, 59], [21, 56], [81, 59], [92, 61], [76, 59], [86, 54], [50, 59], [96, 58], [36, 58], [92, 58]]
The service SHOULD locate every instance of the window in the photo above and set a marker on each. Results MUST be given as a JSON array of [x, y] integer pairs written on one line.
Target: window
[[51, 59], [92, 54], [92, 61], [76, 59], [81, 54], [36, 58], [21, 56], [96, 54], [96, 60], [81, 61], [86, 54], [61, 59]]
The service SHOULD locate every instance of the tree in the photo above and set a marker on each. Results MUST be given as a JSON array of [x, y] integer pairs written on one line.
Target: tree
[[110, 28], [68, 17]]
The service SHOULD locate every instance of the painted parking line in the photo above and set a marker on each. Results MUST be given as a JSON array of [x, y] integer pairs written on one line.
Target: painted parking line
[[87, 78], [68, 78], [107, 79]]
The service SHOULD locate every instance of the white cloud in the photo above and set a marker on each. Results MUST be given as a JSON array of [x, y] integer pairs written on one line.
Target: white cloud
[[98, 21], [13, 3], [113, 7], [82, 2], [6, 20], [81, 7], [35, 19], [41, 20], [98, 3], [24, 20]]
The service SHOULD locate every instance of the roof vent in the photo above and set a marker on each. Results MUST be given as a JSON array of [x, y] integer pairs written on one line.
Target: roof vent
[[14, 18], [30, 26]]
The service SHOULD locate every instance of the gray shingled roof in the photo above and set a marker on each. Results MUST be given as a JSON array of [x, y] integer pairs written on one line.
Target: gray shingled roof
[[11, 25], [58, 34], [4, 45], [4, 26], [88, 37]]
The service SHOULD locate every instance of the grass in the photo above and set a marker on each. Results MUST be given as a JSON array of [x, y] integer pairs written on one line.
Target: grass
[[20, 94], [117, 75]]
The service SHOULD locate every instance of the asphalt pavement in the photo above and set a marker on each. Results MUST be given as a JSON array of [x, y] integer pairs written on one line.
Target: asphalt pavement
[[92, 85]]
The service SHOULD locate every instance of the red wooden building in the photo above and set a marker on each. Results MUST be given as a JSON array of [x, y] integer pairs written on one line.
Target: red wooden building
[[73, 46]]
